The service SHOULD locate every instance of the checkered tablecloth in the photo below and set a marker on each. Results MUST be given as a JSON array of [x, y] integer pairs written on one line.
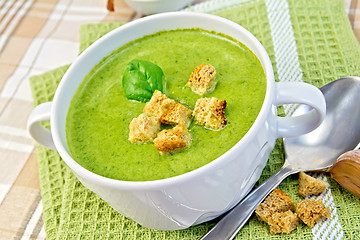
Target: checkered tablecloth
[[37, 36]]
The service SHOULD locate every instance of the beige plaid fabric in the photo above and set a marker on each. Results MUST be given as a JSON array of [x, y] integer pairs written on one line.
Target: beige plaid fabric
[[37, 36]]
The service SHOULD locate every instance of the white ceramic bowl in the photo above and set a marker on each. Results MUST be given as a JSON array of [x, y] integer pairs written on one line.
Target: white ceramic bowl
[[207, 192], [157, 6]]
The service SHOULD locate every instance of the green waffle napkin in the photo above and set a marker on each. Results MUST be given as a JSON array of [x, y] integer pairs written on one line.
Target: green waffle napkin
[[327, 50]]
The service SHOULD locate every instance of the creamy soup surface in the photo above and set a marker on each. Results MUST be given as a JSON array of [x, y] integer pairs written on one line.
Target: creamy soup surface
[[97, 126]]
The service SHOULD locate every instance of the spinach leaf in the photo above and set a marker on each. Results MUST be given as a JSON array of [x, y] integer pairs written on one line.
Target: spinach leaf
[[141, 79]]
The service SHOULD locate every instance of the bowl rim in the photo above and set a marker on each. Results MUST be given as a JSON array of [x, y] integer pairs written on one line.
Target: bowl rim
[[83, 173]]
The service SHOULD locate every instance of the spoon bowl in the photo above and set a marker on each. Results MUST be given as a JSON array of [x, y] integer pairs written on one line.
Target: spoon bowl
[[339, 132], [317, 150]]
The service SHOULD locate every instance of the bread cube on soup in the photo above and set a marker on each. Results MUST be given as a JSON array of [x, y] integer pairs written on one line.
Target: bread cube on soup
[[158, 104], [310, 186], [311, 211], [177, 114], [210, 112], [202, 79], [143, 129], [171, 140]]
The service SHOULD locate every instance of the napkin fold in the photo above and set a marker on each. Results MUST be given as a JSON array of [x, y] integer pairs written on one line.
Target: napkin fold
[[325, 50]]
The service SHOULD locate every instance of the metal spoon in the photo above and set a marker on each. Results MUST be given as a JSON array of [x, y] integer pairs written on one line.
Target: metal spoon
[[317, 150]]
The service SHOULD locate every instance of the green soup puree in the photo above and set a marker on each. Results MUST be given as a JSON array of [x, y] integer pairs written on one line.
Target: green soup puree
[[97, 126]]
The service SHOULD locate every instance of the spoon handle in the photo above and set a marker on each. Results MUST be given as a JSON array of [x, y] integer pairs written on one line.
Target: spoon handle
[[233, 221]]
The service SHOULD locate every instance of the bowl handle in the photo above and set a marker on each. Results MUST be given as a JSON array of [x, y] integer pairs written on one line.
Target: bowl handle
[[301, 93], [36, 130]]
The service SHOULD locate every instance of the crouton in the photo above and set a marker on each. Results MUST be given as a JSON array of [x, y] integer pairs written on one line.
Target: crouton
[[158, 104], [174, 139], [309, 185], [283, 222], [143, 129], [311, 211], [210, 112], [277, 201], [202, 79], [177, 114]]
